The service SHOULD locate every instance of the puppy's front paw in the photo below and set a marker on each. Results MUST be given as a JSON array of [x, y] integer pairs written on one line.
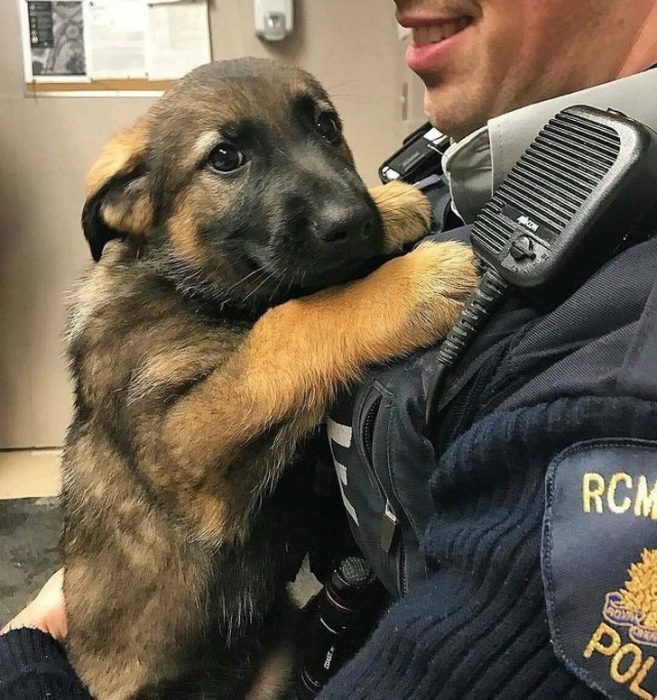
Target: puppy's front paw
[[443, 277], [405, 213], [444, 269]]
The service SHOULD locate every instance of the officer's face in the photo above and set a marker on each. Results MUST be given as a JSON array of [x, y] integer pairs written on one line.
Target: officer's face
[[482, 58]]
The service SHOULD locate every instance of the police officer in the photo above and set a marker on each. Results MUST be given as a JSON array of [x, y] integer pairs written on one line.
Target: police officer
[[528, 568], [520, 531]]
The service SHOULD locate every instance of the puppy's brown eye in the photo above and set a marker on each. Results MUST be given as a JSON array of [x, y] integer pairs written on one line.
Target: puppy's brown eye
[[225, 158], [329, 127]]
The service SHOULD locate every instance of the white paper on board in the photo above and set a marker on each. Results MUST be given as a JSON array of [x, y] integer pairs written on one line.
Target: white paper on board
[[178, 37], [117, 38]]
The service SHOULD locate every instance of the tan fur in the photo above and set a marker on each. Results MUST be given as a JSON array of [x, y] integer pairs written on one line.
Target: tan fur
[[202, 146], [183, 229], [138, 218], [120, 155], [404, 209]]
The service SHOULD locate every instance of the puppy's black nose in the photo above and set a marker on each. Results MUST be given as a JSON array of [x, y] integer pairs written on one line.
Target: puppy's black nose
[[342, 222]]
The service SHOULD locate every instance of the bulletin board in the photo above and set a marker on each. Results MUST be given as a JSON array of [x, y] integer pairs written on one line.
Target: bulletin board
[[109, 46]]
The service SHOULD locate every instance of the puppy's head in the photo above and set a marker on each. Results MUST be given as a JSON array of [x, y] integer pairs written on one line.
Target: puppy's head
[[239, 183]]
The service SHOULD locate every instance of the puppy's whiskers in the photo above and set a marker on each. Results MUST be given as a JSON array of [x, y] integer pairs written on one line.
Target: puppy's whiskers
[[282, 277], [244, 279], [267, 277]]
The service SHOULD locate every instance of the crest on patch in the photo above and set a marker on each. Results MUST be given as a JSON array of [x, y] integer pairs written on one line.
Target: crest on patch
[[635, 605]]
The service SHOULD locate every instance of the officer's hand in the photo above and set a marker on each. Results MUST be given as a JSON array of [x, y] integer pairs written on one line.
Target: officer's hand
[[47, 612]]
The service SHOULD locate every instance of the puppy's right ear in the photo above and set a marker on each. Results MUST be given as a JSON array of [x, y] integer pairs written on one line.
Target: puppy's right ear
[[118, 200]]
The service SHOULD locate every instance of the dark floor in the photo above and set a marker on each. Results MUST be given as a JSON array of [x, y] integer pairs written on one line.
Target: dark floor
[[29, 550]]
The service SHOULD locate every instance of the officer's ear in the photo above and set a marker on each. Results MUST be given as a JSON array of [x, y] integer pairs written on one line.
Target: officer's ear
[[118, 202]]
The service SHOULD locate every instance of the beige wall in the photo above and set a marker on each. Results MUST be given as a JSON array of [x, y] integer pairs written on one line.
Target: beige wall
[[46, 145]]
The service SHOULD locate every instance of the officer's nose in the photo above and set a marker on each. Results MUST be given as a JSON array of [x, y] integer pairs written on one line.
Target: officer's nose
[[336, 223]]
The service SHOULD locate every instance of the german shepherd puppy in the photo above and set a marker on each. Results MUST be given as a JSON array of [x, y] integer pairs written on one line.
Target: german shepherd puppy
[[202, 354]]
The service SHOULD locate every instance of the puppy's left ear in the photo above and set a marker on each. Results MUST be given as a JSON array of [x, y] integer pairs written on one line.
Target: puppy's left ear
[[118, 201]]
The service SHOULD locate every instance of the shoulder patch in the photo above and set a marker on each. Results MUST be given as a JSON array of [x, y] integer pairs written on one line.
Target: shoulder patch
[[599, 564]]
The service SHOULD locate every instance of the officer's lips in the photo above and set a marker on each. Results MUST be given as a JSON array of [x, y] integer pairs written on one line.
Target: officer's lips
[[433, 40]]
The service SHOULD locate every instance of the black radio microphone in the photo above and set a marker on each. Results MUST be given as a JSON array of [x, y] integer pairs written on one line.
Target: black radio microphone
[[575, 196]]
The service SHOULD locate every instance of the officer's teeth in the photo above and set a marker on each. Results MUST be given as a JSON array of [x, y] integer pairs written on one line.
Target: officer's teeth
[[439, 32]]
